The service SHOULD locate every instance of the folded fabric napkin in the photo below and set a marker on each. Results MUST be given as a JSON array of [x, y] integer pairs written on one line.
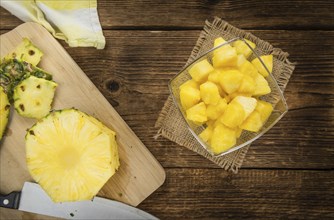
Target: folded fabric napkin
[[76, 22]]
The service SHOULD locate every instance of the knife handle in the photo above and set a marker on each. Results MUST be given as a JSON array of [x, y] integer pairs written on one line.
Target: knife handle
[[10, 200]]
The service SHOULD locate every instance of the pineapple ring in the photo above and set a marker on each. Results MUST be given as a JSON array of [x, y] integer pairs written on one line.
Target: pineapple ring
[[70, 155]]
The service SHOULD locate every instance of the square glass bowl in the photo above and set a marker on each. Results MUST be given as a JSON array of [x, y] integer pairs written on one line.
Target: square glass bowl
[[275, 98]]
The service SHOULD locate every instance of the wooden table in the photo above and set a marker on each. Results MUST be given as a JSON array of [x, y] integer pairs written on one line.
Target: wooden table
[[288, 173]]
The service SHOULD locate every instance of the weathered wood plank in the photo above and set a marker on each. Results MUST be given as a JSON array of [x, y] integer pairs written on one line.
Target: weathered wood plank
[[142, 62], [252, 194], [192, 14]]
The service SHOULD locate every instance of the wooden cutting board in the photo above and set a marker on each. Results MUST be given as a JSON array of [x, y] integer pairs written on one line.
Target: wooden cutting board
[[139, 174]]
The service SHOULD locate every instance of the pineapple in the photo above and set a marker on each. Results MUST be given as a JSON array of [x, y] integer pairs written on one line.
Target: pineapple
[[200, 71], [268, 62], [26, 51], [247, 103], [242, 47], [230, 80], [225, 57], [222, 139], [71, 155], [197, 113], [4, 111], [261, 86], [209, 93], [191, 83], [247, 85], [33, 97], [233, 116], [189, 96], [265, 109], [248, 69], [253, 122], [241, 60], [206, 134], [215, 111]]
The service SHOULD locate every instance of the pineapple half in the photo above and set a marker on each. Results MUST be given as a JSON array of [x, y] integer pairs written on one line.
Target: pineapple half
[[33, 97], [4, 111], [71, 155]]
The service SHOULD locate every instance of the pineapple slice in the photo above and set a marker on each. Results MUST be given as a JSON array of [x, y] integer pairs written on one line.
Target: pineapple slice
[[209, 93], [253, 122], [70, 156], [197, 113], [265, 109], [230, 80], [248, 69], [225, 57], [222, 139], [26, 51], [247, 103], [33, 97], [215, 111], [191, 83], [189, 96], [241, 60], [268, 62], [214, 76], [247, 85], [4, 111], [261, 86], [233, 116], [206, 134], [242, 47], [200, 71]]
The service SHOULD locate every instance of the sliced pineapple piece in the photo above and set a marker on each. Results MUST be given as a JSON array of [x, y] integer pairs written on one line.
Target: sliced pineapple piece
[[247, 103], [241, 60], [189, 96], [197, 113], [33, 97], [225, 57], [265, 109], [26, 51], [214, 76], [233, 116], [222, 139], [206, 134], [253, 122], [247, 85], [248, 69], [268, 62], [70, 156], [191, 83], [261, 86], [200, 71], [230, 80], [215, 111], [242, 47], [209, 93], [4, 111]]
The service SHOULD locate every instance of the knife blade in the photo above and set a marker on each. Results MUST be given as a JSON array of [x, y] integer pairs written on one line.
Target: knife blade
[[34, 199]]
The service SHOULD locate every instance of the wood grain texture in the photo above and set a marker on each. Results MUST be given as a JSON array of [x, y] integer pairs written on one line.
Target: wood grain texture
[[142, 62], [251, 194], [139, 174], [180, 14]]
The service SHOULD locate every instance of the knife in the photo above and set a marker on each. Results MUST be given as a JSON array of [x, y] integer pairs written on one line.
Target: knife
[[34, 199]]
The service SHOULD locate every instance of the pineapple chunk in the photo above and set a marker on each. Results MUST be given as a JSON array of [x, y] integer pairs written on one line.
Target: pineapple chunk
[[215, 111], [247, 85], [247, 103], [206, 134], [222, 139], [209, 93], [200, 71], [197, 113], [189, 97], [231, 96], [33, 97], [190, 83], [268, 62], [4, 111], [261, 86], [248, 69], [225, 57], [26, 51], [242, 47], [214, 76], [241, 60], [238, 132], [219, 41], [253, 122], [230, 80], [265, 109], [233, 116], [70, 156]]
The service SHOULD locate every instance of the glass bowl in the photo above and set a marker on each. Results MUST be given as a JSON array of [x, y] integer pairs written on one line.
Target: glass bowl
[[275, 97]]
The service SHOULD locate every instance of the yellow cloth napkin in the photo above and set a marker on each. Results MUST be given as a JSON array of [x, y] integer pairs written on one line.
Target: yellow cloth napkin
[[75, 21]]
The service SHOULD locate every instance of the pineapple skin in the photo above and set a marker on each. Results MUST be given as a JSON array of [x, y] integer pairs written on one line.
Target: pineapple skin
[[33, 97], [69, 153], [4, 111]]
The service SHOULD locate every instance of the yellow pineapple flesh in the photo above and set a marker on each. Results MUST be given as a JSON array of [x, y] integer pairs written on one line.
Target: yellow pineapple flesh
[[230, 80], [242, 47], [215, 111], [71, 155], [209, 93], [197, 113], [268, 62], [222, 139], [189, 96], [200, 71], [4, 111]]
